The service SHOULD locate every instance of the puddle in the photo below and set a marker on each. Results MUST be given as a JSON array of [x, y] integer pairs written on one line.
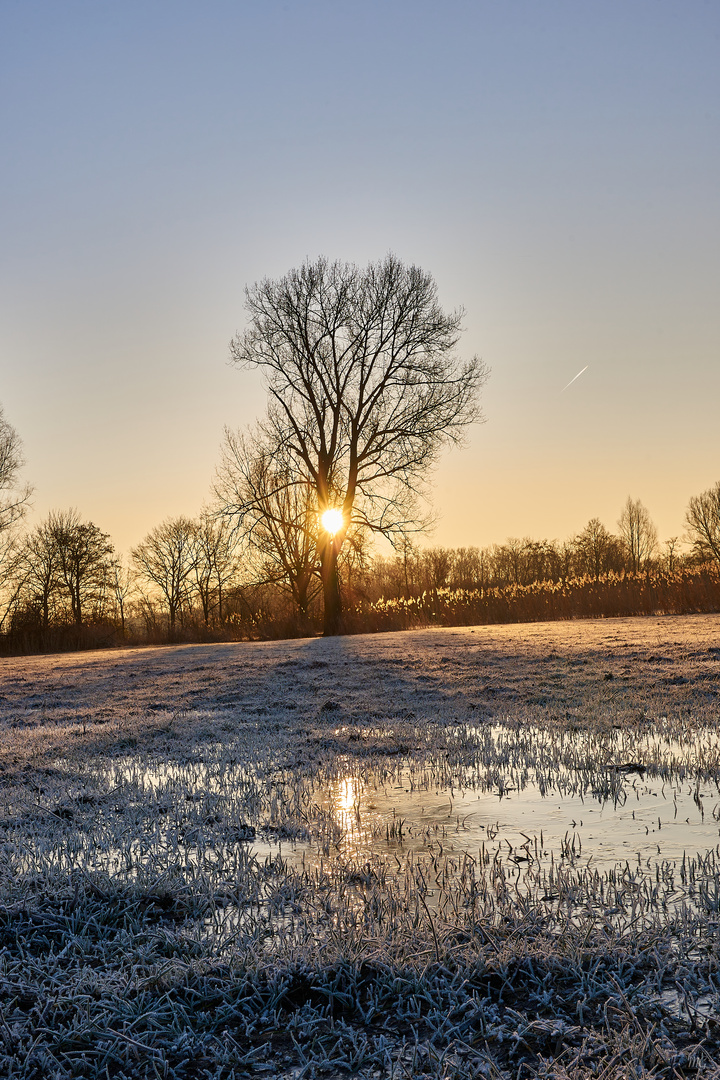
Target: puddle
[[648, 822], [528, 799]]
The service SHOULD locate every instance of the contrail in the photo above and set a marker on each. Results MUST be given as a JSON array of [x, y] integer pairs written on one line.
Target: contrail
[[573, 380]]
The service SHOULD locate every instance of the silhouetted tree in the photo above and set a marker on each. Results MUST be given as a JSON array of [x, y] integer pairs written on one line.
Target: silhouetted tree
[[165, 559], [364, 387], [469, 569], [14, 501], [671, 556], [84, 560], [214, 563], [703, 520], [638, 533], [438, 566], [121, 583], [597, 551], [39, 574], [275, 513], [13, 498], [508, 561]]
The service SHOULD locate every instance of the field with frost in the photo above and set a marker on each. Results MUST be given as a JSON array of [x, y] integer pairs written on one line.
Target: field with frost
[[487, 851]]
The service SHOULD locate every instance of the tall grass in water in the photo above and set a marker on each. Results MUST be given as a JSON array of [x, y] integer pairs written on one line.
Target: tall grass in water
[[151, 924], [453, 968], [140, 936]]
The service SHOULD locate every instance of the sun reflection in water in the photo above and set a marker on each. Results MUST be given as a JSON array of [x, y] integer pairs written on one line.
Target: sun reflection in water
[[346, 800]]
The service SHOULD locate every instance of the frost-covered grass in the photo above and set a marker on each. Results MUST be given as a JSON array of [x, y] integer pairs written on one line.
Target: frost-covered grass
[[199, 875]]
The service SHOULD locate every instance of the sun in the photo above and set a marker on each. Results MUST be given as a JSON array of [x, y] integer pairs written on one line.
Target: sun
[[332, 521]]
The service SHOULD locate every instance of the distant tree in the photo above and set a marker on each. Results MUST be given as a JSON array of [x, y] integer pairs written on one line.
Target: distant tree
[[538, 559], [39, 575], [84, 560], [214, 562], [365, 389], [121, 583], [638, 533], [597, 551], [703, 520], [393, 576], [469, 568], [508, 563], [275, 513], [13, 497], [408, 560], [671, 555], [165, 559], [14, 501], [63, 570], [561, 559], [438, 564]]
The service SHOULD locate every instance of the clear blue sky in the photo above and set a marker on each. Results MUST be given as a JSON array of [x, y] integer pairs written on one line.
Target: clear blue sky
[[555, 165]]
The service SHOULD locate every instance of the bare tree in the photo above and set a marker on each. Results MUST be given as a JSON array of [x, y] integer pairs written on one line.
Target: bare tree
[[39, 575], [508, 561], [396, 575], [214, 562], [165, 558], [597, 551], [365, 388], [638, 533], [63, 568], [13, 498], [703, 520], [438, 567], [470, 568], [14, 501], [275, 512], [84, 560], [121, 583], [672, 556], [561, 559], [408, 560]]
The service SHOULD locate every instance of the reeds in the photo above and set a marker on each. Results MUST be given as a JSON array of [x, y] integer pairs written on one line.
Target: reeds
[[611, 596]]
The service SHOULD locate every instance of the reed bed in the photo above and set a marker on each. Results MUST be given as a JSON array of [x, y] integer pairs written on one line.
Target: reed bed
[[191, 884], [612, 595]]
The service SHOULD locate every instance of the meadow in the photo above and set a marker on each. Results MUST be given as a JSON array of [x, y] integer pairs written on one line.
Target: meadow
[[488, 851]]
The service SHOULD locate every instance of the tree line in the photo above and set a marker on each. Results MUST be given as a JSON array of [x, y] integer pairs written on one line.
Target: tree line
[[592, 553], [65, 586]]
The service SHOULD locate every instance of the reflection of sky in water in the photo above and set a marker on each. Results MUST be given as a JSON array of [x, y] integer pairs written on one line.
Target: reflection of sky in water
[[528, 797], [651, 820], [593, 798]]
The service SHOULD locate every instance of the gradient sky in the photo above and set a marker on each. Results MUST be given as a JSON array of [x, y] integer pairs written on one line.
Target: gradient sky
[[555, 166]]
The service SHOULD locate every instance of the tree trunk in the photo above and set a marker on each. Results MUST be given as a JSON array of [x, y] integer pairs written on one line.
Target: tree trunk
[[332, 623], [300, 596]]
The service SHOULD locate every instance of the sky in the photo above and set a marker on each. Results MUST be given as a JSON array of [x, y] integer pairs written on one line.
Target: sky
[[555, 166]]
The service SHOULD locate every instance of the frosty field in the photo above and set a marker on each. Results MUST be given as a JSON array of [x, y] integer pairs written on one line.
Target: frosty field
[[489, 851]]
